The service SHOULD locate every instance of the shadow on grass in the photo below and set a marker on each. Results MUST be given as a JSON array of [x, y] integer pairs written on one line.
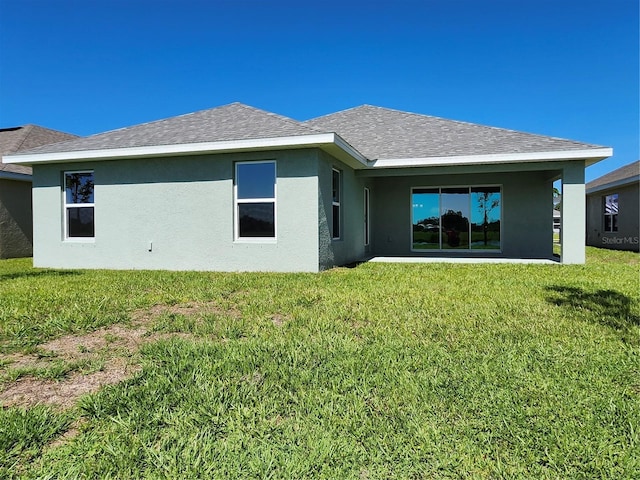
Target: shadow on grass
[[37, 273], [606, 307]]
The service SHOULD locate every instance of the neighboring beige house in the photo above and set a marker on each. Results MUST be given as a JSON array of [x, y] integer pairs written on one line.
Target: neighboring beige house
[[16, 229], [613, 202]]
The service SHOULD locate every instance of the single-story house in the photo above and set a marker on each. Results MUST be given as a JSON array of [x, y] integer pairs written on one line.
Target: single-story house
[[236, 188], [613, 209], [16, 232]]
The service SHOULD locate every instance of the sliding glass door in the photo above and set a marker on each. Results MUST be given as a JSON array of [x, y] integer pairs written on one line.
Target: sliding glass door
[[456, 218]]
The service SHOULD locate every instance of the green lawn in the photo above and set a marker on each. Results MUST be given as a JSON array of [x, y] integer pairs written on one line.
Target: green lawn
[[379, 371]]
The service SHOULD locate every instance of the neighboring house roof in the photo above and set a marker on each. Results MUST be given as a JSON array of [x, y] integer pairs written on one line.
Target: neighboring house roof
[[363, 137], [26, 137], [622, 176], [383, 133]]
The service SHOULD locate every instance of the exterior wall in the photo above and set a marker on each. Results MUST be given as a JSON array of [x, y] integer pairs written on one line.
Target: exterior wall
[[16, 231], [184, 207], [350, 247], [527, 227], [628, 236]]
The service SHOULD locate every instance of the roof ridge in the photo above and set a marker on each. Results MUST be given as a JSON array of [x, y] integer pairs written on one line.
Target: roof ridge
[[9, 148], [232, 121], [31, 128], [473, 124], [276, 115], [334, 113], [504, 129], [188, 114], [28, 129], [151, 122], [40, 127], [459, 122]]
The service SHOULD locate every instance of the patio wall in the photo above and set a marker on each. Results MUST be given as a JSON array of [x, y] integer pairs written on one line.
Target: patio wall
[[526, 213]]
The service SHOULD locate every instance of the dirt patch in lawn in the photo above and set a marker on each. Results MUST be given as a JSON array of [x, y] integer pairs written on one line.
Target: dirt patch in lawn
[[30, 391], [114, 348]]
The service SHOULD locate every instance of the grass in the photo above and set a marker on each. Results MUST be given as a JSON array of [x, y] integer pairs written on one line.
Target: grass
[[54, 370], [24, 433], [380, 371]]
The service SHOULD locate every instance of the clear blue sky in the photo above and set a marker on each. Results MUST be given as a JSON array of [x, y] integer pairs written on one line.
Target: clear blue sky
[[563, 68]]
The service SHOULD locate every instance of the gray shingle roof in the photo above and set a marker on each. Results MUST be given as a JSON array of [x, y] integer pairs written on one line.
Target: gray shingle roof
[[376, 132], [17, 139], [382, 133], [627, 172], [235, 121]]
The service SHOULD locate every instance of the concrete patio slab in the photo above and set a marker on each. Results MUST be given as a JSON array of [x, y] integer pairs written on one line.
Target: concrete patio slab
[[537, 261]]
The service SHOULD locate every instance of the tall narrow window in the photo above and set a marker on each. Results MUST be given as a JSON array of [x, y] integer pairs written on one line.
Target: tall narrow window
[[366, 216], [255, 190], [336, 203], [611, 213], [79, 205]]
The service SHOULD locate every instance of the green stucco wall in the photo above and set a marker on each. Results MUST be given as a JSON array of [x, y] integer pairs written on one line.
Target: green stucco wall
[[176, 213], [350, 247], [526, 212], [16, 233], [183, 207]]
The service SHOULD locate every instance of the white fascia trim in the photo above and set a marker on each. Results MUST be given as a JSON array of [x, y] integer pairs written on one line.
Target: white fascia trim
[[344, 145], [594, 154], [298, 141], [618, 183]]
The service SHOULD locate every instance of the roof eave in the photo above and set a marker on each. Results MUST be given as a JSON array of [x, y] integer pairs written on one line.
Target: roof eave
[[590, 156], [616, 184], [330, 142]]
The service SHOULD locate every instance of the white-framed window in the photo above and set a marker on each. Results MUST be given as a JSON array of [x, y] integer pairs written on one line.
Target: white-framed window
[[611, 213], [366, 217], [79, 206], [255, 200], [336, 199]]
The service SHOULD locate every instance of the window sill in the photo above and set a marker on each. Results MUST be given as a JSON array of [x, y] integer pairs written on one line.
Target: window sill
[[79, 240], [256, 240]]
